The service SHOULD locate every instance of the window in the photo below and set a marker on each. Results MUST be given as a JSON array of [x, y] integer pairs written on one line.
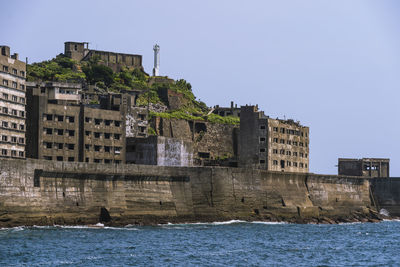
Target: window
[[71, 146], [301, 154], [48, 130], [306, 134], [4, 124], [275, 140], [97, 121], [14, 112], [49, 117], [289, 142], [107, 135], [22, 73], [14, 125], [275, 162], [302, 134], [294, 143], [5, 68], [14, 98], [87, 160], [262, 161], [262, 149], [48, 157], [305, 165], [5, 82], [282, 130], [107, 122], [59, 158], [87, 133], [87, 147], [60, 132], [275, 151], [60, 118], [288, 163], [4, 152], [22, 87], [301, 144], [87, 119], [117, 136], [262, 139], [22, 113], [262, 127], [294, 164], [117, 123], [5, 96], [117, 150], [275, 129], [107, 149], [97, 160], [71, 133], [71, 158], [142, 117], [13, 139], [5, 110], [282, 152], [288, 153], [97, 148], [21, 127], [14, 71], [282, 141], [71, 119], [117, 162], [108, 161], [48, 145], [21, 153], [60, 145], [306, 144], [4, 138], [301, 165], [294, 154], [306, 155], [97, 135], [14, 84]]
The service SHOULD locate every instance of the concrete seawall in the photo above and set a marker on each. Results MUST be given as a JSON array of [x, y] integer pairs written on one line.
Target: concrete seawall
[[34, 192]]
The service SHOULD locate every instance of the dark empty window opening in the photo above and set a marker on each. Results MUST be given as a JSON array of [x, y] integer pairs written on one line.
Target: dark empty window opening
[[262, 139], [59, 158], [262, 161], [262, 149], [204, 155], [262, 127], [71, 146], [97, 121], [282, 164], [107, 135], [71, 158], [200, 127]]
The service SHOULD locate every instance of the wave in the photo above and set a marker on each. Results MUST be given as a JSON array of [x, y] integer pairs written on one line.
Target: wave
[[270, 223]]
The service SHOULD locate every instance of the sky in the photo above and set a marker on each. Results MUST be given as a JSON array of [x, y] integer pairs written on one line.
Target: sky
[[332, 65]]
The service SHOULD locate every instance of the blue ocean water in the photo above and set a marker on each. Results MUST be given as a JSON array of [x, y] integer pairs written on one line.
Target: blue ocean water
[[215, 244]]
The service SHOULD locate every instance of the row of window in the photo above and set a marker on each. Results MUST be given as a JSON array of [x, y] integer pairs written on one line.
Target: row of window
[[13, 139], [105, 135], [14, 98], [12, 153], [51, 145], [14, 71], [51, 117], [100, 121], [61, 158], [13, 125], [106, 149], [288, 153], [13, 84], [289, 142], [290, 131], [61, 132], [13, 112], [290, 164]]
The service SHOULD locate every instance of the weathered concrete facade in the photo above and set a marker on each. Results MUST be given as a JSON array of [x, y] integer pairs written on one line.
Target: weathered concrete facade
[[61, 128], [272, 144], [12, 105], [47, 192], [159, 150], [366, 167], [233, 110], [80, 51]]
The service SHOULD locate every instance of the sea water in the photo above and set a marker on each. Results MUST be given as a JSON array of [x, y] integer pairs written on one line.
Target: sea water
[[232, 243]]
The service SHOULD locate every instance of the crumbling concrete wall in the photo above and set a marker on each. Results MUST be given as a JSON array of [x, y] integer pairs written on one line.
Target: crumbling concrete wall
[[43, 192]]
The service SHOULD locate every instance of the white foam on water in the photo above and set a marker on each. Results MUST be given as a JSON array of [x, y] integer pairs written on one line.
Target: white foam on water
[[269, 223], [384, 212], [204, 223]]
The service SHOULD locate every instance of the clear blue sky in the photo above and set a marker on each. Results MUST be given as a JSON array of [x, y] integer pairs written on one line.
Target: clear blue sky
[[333, 65]]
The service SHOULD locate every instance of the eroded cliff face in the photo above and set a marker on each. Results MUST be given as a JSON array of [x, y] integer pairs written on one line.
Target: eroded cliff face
[[34, 192]]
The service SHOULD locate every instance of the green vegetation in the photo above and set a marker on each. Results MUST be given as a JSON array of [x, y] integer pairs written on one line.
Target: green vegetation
[[94, 72]]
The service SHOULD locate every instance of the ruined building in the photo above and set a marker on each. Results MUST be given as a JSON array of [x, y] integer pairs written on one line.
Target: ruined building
[[365, 167], [272, 144], [80, 51], [12, 104], [60, 127], [233, 110]]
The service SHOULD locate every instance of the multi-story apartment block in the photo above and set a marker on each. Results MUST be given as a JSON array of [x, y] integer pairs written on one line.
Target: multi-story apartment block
[[12, 104], [60, 127], [272, 144]]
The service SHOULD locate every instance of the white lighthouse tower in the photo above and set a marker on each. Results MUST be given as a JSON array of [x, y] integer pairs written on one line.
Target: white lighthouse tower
[[156, 69]]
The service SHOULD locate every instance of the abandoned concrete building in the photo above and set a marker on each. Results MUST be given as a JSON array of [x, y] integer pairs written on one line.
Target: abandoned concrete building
[[233, 110], [365, 167], [60, 127], [80, 51], [159, 150], [272, 144], [12, 104]]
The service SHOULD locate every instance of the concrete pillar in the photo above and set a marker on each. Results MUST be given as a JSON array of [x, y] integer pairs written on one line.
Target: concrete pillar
[[156, 69]]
